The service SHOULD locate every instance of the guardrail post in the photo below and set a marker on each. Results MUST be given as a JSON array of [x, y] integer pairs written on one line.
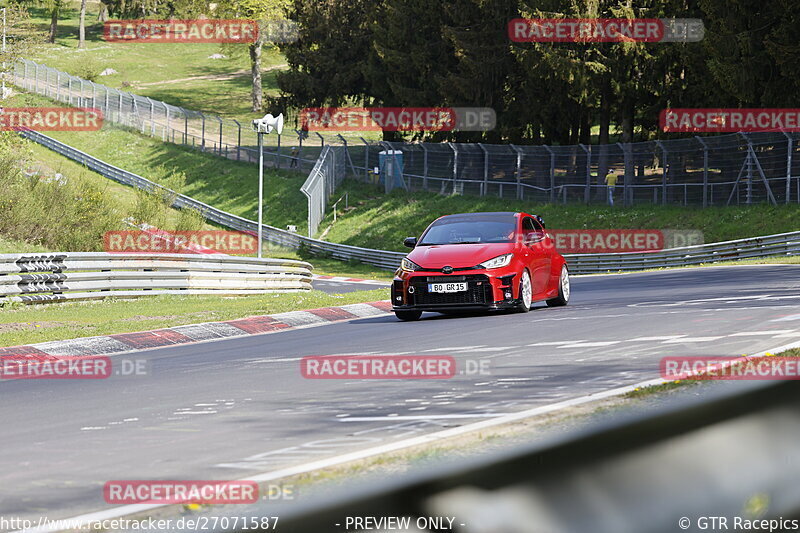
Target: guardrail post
[[485, 184], [788, 167], [588, 192], [705, 170], [518, 150], [552, 174]]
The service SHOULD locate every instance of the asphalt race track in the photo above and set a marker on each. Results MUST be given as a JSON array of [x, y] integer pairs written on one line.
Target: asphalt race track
[[237, 407]]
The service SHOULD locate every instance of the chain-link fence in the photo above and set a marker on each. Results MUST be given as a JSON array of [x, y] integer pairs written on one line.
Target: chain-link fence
[[327, 174], [702, 171]]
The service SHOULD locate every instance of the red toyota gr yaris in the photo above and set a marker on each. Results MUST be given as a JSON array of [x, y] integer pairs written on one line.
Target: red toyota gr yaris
[[476, 261]]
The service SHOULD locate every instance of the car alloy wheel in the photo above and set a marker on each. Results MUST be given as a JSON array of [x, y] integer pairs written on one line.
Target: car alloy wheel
[[563, 289], [525, 292]]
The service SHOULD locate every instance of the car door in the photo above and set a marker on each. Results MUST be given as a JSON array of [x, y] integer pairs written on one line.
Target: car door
[[536, 248]]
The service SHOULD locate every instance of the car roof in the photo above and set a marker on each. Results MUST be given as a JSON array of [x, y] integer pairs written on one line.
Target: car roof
[[484, 213]]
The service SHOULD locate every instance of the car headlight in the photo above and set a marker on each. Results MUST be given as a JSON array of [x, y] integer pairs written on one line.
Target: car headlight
[[408, 265], [498, 262]]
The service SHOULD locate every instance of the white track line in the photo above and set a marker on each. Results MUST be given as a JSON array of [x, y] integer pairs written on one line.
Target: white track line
[[124, 510]]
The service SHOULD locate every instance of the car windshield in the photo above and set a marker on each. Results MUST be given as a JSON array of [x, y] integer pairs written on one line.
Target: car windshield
[[470, 229]]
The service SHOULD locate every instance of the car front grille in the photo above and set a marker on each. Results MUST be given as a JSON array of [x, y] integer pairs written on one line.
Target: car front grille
[[479, 291]]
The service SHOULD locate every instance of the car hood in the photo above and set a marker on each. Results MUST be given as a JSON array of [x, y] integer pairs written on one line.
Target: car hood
[[458, 255]]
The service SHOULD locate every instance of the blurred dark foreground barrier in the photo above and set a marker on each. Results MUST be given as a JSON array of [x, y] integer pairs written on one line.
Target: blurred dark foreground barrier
[[732, 455]]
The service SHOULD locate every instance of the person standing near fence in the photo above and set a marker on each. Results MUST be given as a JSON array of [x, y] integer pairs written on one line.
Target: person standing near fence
[[611, 183], [295, 157]]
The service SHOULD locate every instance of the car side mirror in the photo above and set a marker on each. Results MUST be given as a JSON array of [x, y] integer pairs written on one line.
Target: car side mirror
[[533, 237], [410, 242]]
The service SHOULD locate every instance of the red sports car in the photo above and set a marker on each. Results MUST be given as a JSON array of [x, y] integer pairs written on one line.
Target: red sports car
[[475, 261]]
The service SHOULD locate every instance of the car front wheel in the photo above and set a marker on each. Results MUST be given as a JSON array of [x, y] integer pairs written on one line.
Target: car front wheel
[[408, 316], [525, 292], [563, 289]]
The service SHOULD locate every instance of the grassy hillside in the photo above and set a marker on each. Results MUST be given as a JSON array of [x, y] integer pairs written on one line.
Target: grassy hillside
[[377, 221]]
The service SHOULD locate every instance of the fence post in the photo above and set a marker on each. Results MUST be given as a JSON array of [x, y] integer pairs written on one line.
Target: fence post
[[705, 170], [219, 151], [238, 140], [455, 164], [321, 139], [203, 132], [424, 166], [167, 128], [119, 113], [36, 73], [588, 192], [185, 126], [152, 118], [788, 167], [58, 85], [366, 158], [485, 184], [626, 161], [663, 173], [552, 174], [519, 170]]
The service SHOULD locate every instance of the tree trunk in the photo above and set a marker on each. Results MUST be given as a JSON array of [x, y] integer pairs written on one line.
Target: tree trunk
[[82, 26], [51, 38], [603, 137], [255, 70]]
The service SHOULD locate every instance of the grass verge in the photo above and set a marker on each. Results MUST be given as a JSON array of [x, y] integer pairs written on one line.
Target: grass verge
[[26, 324]]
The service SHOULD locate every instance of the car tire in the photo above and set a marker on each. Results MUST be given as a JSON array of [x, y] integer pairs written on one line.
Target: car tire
[[563, 289], [408, 316], [525, 292]]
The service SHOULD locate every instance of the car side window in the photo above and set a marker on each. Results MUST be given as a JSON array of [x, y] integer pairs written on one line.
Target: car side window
[[531, 229]]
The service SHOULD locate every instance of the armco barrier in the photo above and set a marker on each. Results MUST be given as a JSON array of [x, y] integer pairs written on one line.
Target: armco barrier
[[783, 244], [34, 278], [732, 453]]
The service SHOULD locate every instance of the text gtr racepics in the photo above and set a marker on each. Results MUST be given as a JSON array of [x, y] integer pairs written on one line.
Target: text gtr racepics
[[477, 261]]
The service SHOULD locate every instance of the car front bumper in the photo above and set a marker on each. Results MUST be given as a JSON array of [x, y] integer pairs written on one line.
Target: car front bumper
[[486, 289]]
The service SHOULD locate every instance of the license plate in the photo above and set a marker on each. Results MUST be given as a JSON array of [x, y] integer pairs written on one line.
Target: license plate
[[447, 287]]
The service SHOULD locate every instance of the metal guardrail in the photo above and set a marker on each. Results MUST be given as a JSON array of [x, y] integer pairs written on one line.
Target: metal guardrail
[[755, 247], [642, 473], [35, 278]]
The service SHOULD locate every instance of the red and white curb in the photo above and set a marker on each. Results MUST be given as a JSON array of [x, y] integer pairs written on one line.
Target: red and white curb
[[342, 279], [142, 340]]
